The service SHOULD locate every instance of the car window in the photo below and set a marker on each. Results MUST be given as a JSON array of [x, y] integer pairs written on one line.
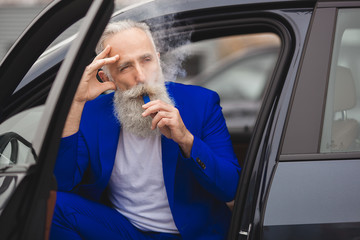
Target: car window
[[21, 121], [16, 134], [23, 124], [237, 68], [244, 79], [61, 43], [342, 114]]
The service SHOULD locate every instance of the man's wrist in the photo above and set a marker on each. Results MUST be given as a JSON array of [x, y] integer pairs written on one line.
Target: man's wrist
[[186, 144], [73, 119]]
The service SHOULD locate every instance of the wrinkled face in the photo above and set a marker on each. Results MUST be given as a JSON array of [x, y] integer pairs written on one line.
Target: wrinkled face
[[138, 62]]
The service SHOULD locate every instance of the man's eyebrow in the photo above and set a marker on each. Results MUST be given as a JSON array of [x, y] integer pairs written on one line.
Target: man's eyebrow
[[124, 64], [146, 55], [127, 63]]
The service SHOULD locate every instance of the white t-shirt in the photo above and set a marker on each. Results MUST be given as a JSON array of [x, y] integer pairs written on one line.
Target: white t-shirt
[[137, 188]]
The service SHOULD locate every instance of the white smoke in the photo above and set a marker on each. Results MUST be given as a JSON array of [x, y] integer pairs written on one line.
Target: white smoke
[[168, 38]]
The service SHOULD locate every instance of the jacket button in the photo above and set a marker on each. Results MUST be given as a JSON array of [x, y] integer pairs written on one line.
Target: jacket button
[[202, 165]]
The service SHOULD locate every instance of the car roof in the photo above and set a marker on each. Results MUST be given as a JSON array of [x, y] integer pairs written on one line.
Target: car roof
[[190, 4], [154, 8]]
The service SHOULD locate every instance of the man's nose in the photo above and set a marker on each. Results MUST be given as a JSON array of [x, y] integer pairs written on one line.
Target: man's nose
[[139, 76]]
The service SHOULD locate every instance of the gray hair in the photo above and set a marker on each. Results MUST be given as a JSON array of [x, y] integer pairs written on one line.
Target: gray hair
[[116, 27]]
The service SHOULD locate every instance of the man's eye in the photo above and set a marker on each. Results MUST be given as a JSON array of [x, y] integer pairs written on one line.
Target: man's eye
[[123, 68]]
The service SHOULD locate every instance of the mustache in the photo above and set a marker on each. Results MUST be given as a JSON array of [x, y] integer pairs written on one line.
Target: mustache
[[139, 90]]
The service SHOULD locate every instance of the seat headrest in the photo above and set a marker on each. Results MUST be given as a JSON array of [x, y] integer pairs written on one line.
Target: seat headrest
[[345, 91]]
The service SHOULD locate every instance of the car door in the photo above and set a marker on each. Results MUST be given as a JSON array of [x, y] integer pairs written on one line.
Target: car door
[[31, 124], [308, 185]]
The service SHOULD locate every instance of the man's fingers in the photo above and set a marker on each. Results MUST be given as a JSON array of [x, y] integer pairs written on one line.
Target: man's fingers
[[101, 60], [158, 117], [103, 53], [105, 86], [156, 106], [99, 63]]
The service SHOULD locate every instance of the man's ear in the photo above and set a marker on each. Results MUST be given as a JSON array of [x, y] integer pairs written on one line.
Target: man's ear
[[103, 77]]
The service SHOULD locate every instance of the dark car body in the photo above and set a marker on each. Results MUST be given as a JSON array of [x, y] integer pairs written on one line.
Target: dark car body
[[300, 177]]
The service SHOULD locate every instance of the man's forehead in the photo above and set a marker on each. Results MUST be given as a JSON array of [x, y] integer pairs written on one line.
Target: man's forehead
[[130, 42]]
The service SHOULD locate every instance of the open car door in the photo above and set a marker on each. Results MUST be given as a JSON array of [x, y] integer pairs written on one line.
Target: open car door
[[31, 124]]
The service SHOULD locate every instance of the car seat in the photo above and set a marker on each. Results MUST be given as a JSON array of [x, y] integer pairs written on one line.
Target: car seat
[[344, 130]]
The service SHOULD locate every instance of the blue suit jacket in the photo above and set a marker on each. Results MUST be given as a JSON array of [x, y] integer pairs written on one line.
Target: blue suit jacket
[[197, 187]]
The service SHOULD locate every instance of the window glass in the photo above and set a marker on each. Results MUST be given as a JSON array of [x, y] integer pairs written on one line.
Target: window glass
[[342, 114], [237, 68], [24, 112]]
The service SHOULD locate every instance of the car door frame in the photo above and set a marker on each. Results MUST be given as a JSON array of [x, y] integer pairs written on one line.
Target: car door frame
[[260, 162], [26, 212]]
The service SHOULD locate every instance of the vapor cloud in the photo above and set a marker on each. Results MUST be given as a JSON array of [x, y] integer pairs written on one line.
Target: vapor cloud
[[168, 37]]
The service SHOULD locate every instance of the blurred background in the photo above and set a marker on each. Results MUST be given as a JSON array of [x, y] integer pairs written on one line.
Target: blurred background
[[15, 15]]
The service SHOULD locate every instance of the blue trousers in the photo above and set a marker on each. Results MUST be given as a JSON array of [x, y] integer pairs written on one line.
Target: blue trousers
[[78, 218]]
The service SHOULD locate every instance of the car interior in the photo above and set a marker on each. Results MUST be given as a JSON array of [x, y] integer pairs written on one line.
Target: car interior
[[341, 118], [344, 130]]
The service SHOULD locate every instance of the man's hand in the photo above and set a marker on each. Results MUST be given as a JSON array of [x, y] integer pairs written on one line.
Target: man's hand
[[167, 118], [89, 87]]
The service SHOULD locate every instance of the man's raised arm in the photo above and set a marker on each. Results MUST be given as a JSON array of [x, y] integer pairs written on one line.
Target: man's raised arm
[[89, 88]]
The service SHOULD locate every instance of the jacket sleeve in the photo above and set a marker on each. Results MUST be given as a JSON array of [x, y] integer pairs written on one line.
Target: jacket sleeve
[[71, 162], [212, 159]]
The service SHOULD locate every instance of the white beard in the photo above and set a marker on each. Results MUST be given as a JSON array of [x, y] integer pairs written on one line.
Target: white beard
[[128, 107]]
